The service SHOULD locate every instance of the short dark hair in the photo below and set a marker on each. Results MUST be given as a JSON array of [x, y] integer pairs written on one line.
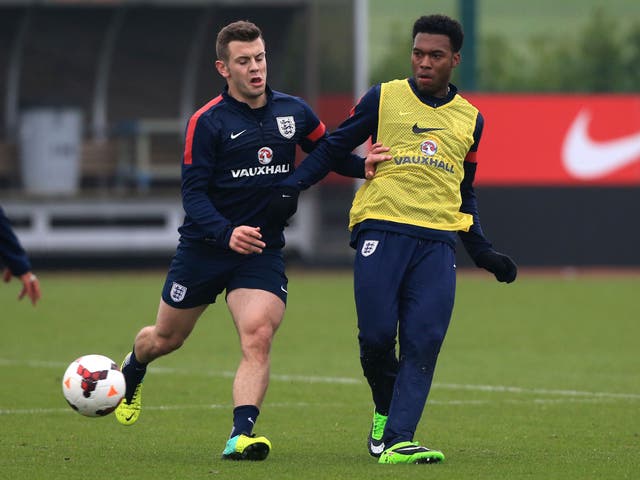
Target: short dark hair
[[443, 25], [242, 31]]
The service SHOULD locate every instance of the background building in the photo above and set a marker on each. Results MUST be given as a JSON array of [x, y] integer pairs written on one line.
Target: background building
[[95, 97]]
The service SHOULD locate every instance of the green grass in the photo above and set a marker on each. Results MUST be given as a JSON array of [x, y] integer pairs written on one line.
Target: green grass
[[538, 379]]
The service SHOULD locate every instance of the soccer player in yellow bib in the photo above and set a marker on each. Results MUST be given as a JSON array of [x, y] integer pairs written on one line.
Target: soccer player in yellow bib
[[404, 223]]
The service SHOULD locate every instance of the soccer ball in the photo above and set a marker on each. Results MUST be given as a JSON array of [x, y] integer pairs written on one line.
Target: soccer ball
[[93, 385]]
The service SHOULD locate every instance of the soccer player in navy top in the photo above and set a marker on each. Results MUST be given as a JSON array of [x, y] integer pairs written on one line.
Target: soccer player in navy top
[[404, 224], [17, 262], [238, 147]]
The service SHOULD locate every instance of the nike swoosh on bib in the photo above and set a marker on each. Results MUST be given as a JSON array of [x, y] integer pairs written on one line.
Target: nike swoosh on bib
[[587, 159], [416, 129]]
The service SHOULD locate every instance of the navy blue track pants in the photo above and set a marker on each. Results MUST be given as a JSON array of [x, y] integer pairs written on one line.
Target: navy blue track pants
[[404, 288]]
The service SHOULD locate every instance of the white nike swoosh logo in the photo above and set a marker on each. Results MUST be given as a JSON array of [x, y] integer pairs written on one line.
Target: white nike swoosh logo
[[236, 135], [283, 289], [376, 448], [402, 114], [587, 159]]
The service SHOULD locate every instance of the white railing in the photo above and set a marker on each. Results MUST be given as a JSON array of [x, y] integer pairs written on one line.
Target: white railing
[[148, 226]]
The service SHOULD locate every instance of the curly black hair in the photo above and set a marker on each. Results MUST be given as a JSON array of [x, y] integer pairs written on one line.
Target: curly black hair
[[443, 25]]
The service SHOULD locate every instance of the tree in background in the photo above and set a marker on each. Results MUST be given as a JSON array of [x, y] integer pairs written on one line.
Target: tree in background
[[601, 58]]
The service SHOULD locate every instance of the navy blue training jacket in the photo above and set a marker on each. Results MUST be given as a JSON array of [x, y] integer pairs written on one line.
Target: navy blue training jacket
[[234, 156]]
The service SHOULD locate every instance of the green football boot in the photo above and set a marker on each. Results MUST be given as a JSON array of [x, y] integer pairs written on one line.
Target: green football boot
[[374, 442], [127, 412], [410, 452], [244, 447]]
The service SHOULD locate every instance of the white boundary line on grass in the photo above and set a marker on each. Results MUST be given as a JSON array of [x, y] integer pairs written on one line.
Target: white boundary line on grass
[[212, 406], [64, 410], [577, 394], [536, 391]]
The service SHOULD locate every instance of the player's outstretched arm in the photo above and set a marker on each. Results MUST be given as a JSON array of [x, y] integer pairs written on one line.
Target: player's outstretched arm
[[283, 203], [355, 166]]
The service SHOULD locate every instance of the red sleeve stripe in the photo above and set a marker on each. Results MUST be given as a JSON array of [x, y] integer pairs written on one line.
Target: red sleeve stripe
[[471, 157], [317, 133], [188, 143], [353, 109]]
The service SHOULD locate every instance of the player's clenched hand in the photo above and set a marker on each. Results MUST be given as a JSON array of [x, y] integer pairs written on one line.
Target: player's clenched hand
[[376, 154], [500, 265], [246, 240]]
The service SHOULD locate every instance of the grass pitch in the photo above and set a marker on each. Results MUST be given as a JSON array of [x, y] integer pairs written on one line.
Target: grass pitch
[[538, 379]]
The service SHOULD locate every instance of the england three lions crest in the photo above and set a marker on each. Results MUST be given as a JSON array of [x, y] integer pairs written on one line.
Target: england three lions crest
[[177, 292], [368, 247], [286, 126]]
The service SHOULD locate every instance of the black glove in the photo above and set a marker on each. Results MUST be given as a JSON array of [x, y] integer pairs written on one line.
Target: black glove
[[282, 205], [500, 265]]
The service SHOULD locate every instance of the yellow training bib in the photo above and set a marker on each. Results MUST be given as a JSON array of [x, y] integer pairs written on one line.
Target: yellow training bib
[[421, 184]]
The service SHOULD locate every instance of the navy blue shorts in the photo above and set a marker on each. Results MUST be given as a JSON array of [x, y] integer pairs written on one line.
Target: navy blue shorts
[[200, 272]]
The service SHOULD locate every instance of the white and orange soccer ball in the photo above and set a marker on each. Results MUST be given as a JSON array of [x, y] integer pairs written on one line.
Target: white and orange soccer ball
[[93, 385]]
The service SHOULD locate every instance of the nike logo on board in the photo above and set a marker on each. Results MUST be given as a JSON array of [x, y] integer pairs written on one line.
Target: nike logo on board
[[236, 135], [417, 130], [588, 159]]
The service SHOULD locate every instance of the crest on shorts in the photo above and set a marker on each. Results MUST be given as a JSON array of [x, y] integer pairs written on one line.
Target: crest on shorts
[[286, 126], [368, 247], [178, 292]]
